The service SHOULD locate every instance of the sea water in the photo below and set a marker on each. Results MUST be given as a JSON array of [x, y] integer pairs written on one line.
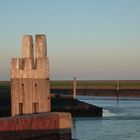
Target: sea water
[[120, 121]]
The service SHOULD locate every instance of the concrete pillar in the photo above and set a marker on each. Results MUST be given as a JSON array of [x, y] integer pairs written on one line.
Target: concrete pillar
[[27, 47], [16, 65], [40, 46], [15, 96], [27, 95], [42, 68]]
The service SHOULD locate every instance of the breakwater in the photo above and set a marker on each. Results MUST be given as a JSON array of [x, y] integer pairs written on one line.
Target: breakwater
[[75, 107], [59, 103], [53, 126], [101, 92]]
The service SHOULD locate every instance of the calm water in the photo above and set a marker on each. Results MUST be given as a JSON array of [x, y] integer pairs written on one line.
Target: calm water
[[121, 121]]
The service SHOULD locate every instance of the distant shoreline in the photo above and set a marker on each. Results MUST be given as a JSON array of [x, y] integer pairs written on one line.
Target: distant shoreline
[[89, 84], [121, 88]]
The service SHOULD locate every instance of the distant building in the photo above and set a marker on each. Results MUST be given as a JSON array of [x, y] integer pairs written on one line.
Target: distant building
[[30, 90]]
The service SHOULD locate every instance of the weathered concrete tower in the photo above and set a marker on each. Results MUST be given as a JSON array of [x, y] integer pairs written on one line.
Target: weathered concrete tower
[[30, 91]]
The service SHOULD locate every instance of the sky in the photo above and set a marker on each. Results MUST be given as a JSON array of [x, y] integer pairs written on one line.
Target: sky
[[89, 39]]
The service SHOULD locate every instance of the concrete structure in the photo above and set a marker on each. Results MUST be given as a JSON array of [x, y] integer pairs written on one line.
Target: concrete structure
[[42, 126], [30, 91], [77, 108]]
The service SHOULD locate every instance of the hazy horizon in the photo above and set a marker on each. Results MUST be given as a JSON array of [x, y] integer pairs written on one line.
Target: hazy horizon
[[89, 39]]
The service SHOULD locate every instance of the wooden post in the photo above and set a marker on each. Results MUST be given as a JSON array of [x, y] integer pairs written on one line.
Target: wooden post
[[117, 89], [74, 87], [117, 86]]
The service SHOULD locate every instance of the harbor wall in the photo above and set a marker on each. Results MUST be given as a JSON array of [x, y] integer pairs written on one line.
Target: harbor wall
[[52, 126], [100, 92]]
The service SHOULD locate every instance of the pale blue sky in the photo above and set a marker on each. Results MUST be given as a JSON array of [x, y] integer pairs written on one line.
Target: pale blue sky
[[89, 39]]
